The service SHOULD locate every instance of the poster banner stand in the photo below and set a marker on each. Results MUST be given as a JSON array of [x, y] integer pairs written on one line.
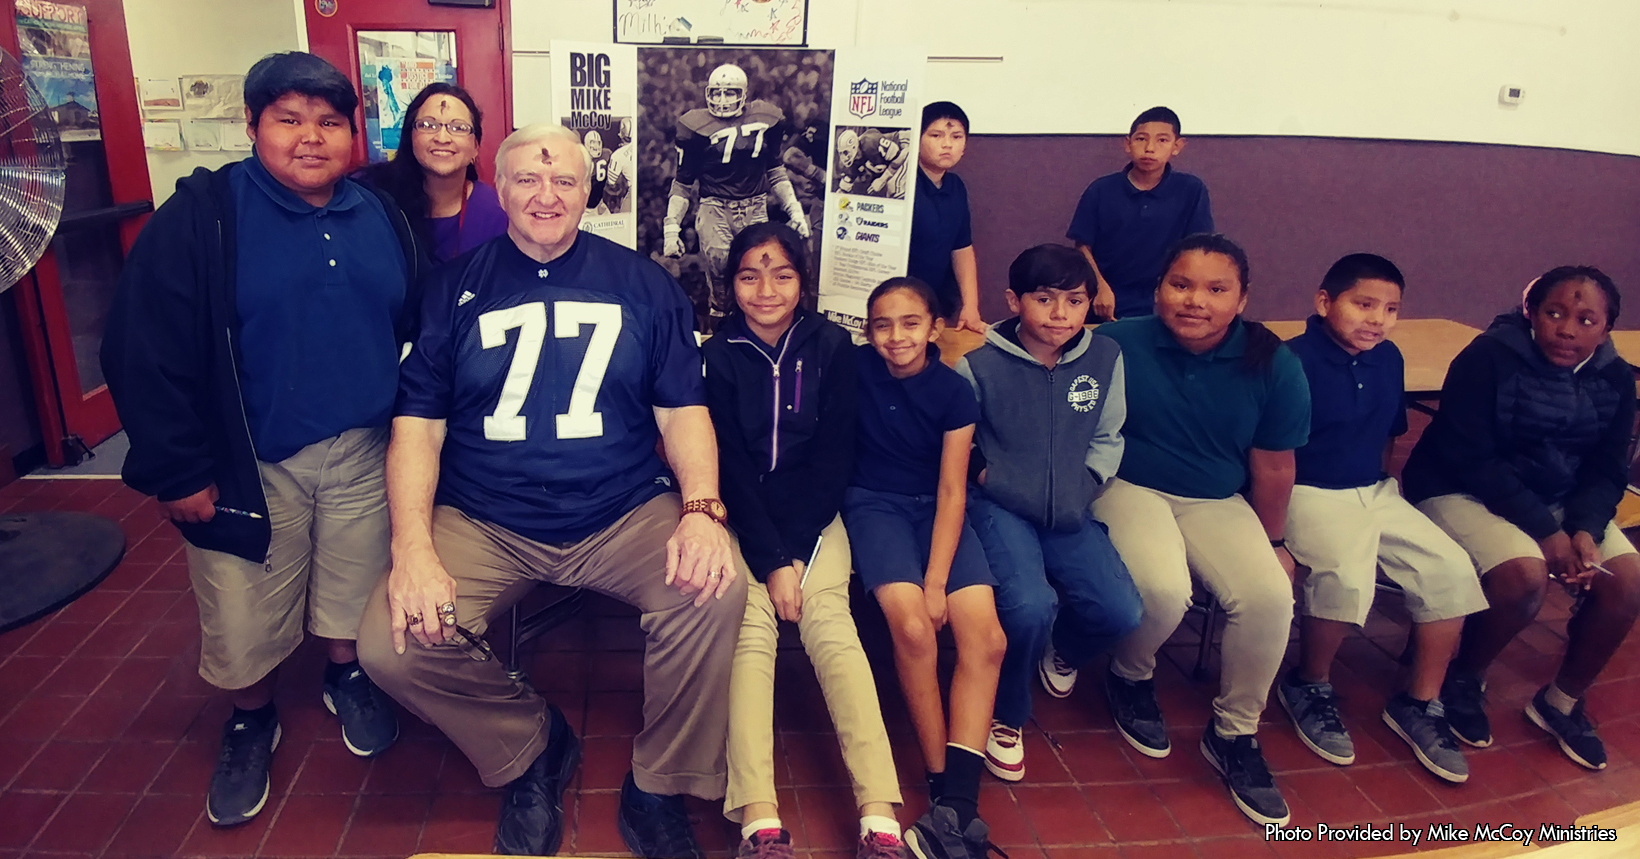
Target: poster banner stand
[[872, 177]]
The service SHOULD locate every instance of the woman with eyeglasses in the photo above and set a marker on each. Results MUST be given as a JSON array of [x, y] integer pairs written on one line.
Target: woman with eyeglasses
[[434, 174]]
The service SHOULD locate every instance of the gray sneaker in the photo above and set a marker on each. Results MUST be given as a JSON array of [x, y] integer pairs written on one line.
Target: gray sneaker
[[1313, 708], [936, 836], [1423, 726]]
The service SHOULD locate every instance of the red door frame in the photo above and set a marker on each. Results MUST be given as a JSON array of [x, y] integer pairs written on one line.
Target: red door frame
[[64, 411], [483, 46]]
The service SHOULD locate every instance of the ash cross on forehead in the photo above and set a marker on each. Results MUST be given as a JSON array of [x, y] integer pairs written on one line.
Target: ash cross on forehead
[[766, 258]]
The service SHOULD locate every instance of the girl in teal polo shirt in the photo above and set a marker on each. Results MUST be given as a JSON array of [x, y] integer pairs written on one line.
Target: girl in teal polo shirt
[[1216, 405]]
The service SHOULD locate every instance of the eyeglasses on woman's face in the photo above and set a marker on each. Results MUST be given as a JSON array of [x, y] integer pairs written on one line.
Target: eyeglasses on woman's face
[[456, 127]]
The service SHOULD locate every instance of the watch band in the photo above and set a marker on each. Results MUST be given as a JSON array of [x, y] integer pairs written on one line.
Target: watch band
[[711, 507]]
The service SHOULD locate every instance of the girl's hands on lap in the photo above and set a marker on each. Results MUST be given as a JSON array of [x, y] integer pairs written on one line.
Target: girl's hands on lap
[[1587, 552], [934, 601], [785, 593], [1561, 558]]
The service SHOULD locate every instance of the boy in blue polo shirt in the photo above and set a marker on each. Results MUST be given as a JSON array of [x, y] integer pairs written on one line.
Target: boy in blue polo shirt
[[1126, 222], [942, 242], [1049, 436], [1347, 518]]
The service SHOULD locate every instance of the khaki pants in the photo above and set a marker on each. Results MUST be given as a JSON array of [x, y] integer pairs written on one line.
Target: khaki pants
[[833, 646], [328, 507], [500, 725], [1163, 538]]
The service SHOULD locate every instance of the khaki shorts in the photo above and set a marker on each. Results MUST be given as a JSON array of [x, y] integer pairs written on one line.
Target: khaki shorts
[[1490, 539], [328, 506], [1345, 535]]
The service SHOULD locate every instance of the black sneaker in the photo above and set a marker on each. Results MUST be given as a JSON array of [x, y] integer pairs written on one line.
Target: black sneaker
[[240, 785], [1574, 732], [1422, 724], [656, 827], [532, 811], [1138, 716], [1241, 763], [935, 836], [1464, 697], [369, 724]]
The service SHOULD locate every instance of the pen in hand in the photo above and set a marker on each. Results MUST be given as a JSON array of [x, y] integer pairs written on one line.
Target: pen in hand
[[810, 565]]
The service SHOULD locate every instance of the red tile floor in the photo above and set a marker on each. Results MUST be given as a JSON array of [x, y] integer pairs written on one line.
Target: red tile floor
[[108, 736]]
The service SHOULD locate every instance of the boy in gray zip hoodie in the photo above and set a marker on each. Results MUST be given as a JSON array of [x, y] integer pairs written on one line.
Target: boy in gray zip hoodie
[[1050, 433]]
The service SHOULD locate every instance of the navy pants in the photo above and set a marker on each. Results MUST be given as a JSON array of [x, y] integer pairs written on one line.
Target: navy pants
[[1071, 585]]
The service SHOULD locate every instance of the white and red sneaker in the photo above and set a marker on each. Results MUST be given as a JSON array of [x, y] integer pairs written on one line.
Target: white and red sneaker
[[1005, 752]]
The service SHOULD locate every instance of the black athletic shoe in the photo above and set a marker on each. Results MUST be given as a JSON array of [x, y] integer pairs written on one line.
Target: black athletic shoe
[[532, 812], [369, 724], [239, 787], [1574, 731], [1463, 695], [1138, 716], [935, 835], [656, 827], [1241, 763]]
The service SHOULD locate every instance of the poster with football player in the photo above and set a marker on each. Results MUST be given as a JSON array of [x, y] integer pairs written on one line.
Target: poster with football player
[[595, 93], [716, 133], [876, 162], [866, 230]]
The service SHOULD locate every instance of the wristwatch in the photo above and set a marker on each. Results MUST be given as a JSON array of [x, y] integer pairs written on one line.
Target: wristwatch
[[709, 506]]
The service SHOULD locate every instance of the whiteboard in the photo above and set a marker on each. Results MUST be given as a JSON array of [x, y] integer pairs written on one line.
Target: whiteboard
[[734, 22]]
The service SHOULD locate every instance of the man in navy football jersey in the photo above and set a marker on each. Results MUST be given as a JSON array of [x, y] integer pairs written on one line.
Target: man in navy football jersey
[[730, 152], [548, 365]]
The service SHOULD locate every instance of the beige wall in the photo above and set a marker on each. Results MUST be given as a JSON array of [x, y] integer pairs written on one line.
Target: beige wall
[[171, 38]]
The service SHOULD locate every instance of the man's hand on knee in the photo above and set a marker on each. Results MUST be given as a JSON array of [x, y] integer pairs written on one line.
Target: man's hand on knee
[[421, 597], [698, 558]]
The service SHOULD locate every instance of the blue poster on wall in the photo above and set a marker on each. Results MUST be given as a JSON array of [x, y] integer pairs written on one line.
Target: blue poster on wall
[[56, 52], [394, 65]]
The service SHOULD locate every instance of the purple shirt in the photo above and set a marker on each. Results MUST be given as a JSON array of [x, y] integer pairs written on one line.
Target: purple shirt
[[485, 220]]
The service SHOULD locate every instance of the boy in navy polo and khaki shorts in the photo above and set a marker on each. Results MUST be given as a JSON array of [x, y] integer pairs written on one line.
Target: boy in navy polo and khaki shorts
[[1347, 518], [1126, 221]]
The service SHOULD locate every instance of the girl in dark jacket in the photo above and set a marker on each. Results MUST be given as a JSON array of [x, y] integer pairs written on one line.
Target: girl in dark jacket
[[1524, 465], [781, 386]]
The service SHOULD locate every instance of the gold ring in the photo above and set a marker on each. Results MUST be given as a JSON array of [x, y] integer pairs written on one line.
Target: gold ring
[[449, 619], [447, 608], [415, 620]]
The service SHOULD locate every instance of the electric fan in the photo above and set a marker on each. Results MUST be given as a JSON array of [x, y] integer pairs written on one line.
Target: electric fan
[[48, 558], [32, 173]]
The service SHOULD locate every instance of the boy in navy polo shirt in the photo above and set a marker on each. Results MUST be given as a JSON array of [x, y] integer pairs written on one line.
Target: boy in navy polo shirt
[[942, 242], [1126, 222], [1347, 518], [1051, 405]]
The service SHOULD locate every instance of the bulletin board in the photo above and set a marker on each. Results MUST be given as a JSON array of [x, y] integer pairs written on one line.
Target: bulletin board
[[712, 22]]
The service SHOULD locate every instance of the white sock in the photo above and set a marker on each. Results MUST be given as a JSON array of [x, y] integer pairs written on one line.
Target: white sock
[[759, 825], [1559, 700], [872, 823]]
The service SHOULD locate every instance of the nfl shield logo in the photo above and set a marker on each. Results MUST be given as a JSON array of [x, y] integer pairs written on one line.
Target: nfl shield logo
[[862, 98]]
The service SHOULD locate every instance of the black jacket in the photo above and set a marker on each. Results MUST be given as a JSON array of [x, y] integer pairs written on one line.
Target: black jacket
[[171, 356], [1522, 434], [785, 435]]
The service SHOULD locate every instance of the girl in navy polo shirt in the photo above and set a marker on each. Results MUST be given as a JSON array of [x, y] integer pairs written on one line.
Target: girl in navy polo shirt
[[904, 511], [1218, 404]]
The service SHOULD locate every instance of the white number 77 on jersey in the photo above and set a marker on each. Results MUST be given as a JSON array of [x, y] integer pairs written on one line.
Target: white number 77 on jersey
[[505, 423]]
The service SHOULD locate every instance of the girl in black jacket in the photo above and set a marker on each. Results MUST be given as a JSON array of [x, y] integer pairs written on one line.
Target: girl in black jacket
[[780, 383], [1524, 465]]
